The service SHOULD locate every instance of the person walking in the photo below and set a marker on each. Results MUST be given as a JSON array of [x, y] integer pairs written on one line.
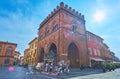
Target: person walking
[[30, 68]]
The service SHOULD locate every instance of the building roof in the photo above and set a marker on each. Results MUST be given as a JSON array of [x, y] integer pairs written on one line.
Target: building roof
[[95, 35], [105, 45], [32, 40], [26, 49], [8, 42], [62, 7]]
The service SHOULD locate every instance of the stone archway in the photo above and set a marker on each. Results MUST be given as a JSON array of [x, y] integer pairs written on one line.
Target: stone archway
[[53, 50], [73, 56], [41, 58]]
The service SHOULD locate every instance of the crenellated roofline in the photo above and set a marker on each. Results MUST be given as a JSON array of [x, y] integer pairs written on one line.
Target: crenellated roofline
[[57, 9]]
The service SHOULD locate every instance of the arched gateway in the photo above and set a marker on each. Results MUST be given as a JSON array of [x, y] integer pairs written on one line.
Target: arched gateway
[[51, 55], [73, 56], [41, 58], [53, 51]]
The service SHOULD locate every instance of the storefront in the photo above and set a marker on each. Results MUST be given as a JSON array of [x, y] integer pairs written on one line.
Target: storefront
[[96, 62]]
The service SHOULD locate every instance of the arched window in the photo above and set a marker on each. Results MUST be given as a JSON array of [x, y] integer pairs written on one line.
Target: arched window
[[9, 48], [74, 28], [9, 51], [90, 51], [47, 32], [55, 27]]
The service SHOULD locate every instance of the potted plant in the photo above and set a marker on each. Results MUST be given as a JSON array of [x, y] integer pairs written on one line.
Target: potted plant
[[81, 67], [104, 67]]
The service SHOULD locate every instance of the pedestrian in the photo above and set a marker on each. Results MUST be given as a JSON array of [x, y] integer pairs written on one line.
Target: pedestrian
[[51, 67], [47, 67], [29, 69]]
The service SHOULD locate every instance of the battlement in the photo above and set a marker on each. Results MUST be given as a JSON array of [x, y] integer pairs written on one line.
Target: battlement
[[65, 7]]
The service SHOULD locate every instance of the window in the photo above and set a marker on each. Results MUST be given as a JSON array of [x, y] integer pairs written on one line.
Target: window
[[47, 32], [32, 46], [9, 48], [74, 28], [41, 37], [55, 27], [88, 36], [98, 53], [9, 54], [95, 53], [9, 51], [34, 53], [90, 51], [35, 44]]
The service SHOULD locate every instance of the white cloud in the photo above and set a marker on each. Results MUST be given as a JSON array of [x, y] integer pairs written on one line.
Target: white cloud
[[19, 29]]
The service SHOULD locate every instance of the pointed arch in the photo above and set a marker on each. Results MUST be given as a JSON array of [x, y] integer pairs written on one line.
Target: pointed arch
[[53, 49], [73, 55], [41, 57]]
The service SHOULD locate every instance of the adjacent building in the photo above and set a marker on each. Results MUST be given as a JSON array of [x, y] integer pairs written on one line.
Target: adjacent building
[[94, 49], [7, 51], [21, 60], [16, 57], [31, 52], [26, 56]]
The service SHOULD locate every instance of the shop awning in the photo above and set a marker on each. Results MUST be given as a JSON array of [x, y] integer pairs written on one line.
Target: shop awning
[[97, 59]]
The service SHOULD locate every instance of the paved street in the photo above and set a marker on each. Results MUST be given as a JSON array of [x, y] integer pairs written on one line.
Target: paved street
[[108, 75], [20, 73]]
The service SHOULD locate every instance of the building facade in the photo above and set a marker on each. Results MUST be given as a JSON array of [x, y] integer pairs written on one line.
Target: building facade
[[26, 56], [94, 47], [16, 57], [7, 51], [107, 55], [62, 37], [30, 54], [33, 50]]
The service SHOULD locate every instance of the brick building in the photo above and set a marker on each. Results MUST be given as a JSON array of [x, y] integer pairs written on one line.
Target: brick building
[[94, 48], [107, 55], [62, 37], [30, 54], [7, 51]]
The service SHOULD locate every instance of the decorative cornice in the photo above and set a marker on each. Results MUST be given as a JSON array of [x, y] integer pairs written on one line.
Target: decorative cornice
[[8, 43], [33, 40], [64, 7], [94, 35], [7, 56]]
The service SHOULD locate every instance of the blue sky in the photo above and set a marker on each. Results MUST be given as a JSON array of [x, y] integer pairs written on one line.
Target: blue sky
[[20, 19]]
